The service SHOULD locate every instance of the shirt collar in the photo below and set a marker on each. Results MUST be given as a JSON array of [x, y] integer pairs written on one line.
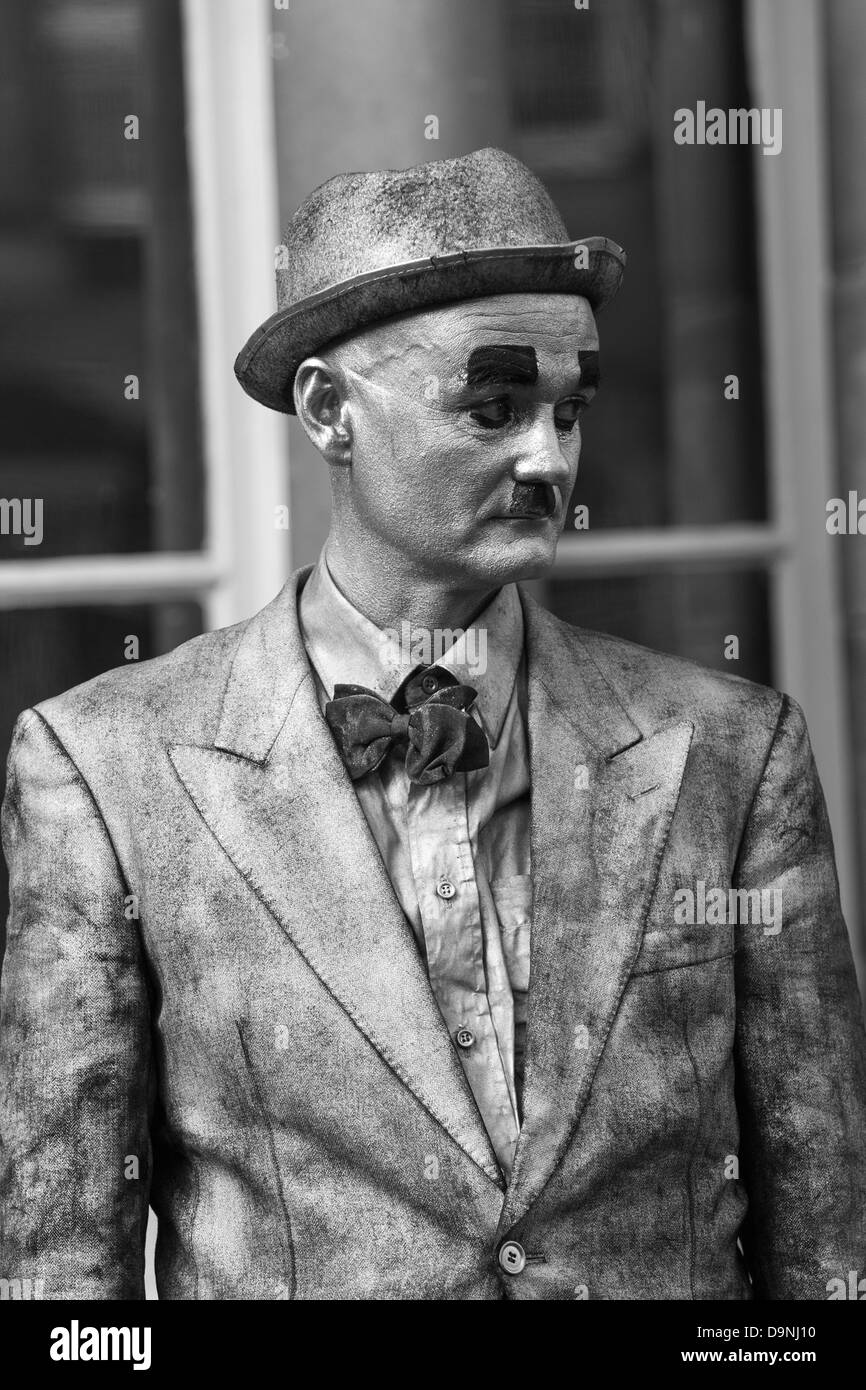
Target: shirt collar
[[347, 648]]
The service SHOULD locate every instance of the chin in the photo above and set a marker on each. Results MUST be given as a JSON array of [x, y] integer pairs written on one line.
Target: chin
[[528, 559], [537, 569]]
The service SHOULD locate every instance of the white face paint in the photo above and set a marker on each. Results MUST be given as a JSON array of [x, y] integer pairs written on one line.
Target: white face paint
[[460, 478]]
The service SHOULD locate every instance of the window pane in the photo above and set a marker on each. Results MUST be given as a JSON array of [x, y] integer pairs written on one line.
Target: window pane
[[688, 613], [593, 94], [44, 651], [98, 369]]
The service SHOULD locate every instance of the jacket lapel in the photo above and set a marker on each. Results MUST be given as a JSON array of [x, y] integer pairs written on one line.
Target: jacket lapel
[[274, 792], [603, 796]]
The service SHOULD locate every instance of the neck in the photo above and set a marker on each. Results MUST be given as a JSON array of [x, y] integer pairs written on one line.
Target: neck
[[390, 594]]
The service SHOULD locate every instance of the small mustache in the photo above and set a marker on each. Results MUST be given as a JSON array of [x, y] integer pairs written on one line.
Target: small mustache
[[532, 499]]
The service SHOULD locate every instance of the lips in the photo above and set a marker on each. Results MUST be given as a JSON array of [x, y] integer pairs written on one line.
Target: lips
[[533, 501]]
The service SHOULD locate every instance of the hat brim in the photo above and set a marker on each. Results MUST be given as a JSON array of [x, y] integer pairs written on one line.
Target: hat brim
[[268, 361]]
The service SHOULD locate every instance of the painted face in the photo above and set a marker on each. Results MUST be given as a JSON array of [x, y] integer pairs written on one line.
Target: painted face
[[466, 432]]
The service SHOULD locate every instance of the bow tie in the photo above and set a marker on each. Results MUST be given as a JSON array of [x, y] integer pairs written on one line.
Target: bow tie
[[428, 717]]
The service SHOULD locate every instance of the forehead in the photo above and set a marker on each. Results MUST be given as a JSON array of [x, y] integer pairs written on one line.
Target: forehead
[[551, 323], [550, 330]]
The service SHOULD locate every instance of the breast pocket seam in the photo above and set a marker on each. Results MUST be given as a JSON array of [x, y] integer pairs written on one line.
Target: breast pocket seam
[[683, 964]]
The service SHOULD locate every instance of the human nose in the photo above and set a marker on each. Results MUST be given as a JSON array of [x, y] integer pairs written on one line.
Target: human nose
[[542, 459]]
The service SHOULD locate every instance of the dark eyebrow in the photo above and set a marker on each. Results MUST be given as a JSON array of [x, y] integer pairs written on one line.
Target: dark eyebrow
[[590, 374], [502, 363]]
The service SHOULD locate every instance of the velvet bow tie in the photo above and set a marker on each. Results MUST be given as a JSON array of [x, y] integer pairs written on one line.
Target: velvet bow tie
[[428, 718]]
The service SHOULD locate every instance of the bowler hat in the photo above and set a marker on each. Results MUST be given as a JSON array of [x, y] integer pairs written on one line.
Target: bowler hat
[[364, 247]]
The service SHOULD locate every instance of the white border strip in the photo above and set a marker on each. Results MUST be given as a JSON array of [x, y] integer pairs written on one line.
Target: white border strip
[[786, 52], [233, 173], [639, 550], [150, 577], [106, 579]]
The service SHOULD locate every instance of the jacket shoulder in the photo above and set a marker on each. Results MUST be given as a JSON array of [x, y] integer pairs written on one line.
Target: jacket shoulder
[[171, 696], [659, 687]]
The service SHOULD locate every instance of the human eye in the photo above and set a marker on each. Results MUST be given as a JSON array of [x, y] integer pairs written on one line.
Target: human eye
[[493, 414], [568, 412]]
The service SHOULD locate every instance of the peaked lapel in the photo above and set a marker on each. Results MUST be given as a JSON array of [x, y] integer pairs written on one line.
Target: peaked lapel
[[603, 796], [274, 792]]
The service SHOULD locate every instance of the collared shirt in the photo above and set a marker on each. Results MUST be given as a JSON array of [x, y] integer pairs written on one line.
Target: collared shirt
[[457, 852]]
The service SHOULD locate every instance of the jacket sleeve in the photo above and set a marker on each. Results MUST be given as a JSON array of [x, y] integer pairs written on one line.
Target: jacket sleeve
[[800, 1046], [75, 1053]]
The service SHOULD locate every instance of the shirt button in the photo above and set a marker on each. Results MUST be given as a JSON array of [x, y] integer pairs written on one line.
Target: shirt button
[[446, 889], [464, 1037], [429, 684], [512, 1257]]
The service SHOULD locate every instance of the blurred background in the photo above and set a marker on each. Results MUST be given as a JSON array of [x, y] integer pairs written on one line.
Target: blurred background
[[152, 150]]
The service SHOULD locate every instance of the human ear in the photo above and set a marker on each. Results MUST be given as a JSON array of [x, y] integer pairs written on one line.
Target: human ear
[[321, 407]]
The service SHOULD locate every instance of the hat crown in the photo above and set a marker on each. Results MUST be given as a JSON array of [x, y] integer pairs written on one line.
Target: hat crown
[[366, 247], [358, 223]]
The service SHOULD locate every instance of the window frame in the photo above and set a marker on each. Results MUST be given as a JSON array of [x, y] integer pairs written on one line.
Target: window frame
[[244, 559]]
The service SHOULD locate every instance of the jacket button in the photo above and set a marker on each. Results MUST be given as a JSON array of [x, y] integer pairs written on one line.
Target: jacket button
[[446, 889], [429, 684], [464, 1037], [512, 1257]]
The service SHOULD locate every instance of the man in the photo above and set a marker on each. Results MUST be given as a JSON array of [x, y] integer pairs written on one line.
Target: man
[[352, 936]]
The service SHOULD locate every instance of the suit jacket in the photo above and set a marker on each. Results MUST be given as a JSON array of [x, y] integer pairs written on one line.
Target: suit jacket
[[212, 1000]]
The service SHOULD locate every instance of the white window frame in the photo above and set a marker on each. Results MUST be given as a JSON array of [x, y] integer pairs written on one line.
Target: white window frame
[[786, 45], [245, 559]]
